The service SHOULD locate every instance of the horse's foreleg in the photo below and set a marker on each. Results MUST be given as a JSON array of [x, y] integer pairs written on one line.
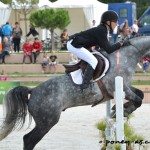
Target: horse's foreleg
[[42, 127], [140, 94], [134, 97]]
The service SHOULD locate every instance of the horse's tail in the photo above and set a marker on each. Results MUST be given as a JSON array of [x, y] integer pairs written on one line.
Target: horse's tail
[[15, 103]]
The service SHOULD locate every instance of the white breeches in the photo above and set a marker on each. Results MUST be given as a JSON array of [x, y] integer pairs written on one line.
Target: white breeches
[[83, 54]]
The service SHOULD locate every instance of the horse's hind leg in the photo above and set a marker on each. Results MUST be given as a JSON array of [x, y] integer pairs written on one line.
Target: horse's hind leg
[[41, 128]]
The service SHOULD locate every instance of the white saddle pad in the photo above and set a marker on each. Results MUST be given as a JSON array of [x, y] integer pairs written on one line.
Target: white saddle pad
[[77, 76]]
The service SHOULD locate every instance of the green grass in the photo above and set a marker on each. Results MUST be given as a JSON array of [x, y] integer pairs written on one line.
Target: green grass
[[141, 83], [33, 84], [37, 83], [142, 73], [33, 74], [58, 74]]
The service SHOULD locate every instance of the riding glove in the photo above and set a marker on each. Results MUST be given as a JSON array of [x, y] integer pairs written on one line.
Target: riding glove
[[125, 42]]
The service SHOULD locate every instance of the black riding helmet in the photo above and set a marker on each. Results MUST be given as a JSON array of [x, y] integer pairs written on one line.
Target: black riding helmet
[[109, 15]]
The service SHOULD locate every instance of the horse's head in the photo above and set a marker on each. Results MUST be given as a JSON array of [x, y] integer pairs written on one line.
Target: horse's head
[[128, 57], [133, 52]]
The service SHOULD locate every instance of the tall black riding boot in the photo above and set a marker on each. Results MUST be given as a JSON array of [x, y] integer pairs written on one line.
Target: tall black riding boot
[[88, 74]]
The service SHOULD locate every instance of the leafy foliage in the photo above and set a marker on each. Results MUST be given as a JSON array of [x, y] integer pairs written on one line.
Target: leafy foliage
[[25, 7], [129, 133], [6, 1], [27, 1], [21, 1], [101, 125], [52, 0], [50, 18]]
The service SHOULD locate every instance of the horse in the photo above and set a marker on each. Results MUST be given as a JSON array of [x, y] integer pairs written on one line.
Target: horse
[[50, 98]]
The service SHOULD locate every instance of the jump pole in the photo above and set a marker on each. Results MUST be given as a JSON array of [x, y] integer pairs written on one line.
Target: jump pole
[[119, 97], [109, 129]]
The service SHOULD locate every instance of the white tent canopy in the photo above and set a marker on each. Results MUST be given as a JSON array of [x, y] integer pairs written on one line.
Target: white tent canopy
[[81, 13], [73, 3], [93, 9], [44, 3], [3, 5], [4, 13]]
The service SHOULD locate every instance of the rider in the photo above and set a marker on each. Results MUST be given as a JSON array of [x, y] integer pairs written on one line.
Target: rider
[[79, 43]]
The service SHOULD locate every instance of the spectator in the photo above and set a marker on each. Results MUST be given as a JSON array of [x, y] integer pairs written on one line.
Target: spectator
[[52, 61], [93, 23], [27, 49], [6, 31], [73, 59], [135, 27], [125, 30], [0, 31], [64, 37], [3, 76], [115, 33], [36, 48], [45, 62], [146, 62], [0, 39], [6, 49], [32, 31], [16, 35], [0, 46]]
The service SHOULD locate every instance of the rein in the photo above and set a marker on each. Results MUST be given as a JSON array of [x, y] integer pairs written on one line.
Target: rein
[[118, 58], [118, 61], [135, 47]]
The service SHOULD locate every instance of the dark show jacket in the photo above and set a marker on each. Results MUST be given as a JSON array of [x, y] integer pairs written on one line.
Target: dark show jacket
[[95, 36]]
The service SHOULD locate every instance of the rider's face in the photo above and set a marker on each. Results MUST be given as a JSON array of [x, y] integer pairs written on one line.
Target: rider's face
[[114, 24]]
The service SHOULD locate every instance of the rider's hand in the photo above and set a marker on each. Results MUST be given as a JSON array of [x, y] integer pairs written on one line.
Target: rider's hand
[[125, 42]]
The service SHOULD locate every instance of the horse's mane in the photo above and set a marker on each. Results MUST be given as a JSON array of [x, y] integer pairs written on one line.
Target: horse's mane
[[134, 36], [138, 35]]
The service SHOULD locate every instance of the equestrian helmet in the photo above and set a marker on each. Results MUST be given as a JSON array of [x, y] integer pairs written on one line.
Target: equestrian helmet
[[109, 16]]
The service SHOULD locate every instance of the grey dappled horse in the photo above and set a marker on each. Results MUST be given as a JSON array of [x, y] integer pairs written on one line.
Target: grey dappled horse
[[50, 98]]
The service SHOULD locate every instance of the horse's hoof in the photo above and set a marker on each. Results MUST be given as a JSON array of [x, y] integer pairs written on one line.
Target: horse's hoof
[[114, 107], [126, 113], [113, 114]]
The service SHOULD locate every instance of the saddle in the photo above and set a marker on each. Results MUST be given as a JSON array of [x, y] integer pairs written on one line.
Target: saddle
[[100, 71], [82, 65]]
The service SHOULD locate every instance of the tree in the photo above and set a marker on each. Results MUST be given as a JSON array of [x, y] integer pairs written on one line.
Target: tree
[[52, 0], [26, 6], [6, 1], [23, 7], [50, 19]]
